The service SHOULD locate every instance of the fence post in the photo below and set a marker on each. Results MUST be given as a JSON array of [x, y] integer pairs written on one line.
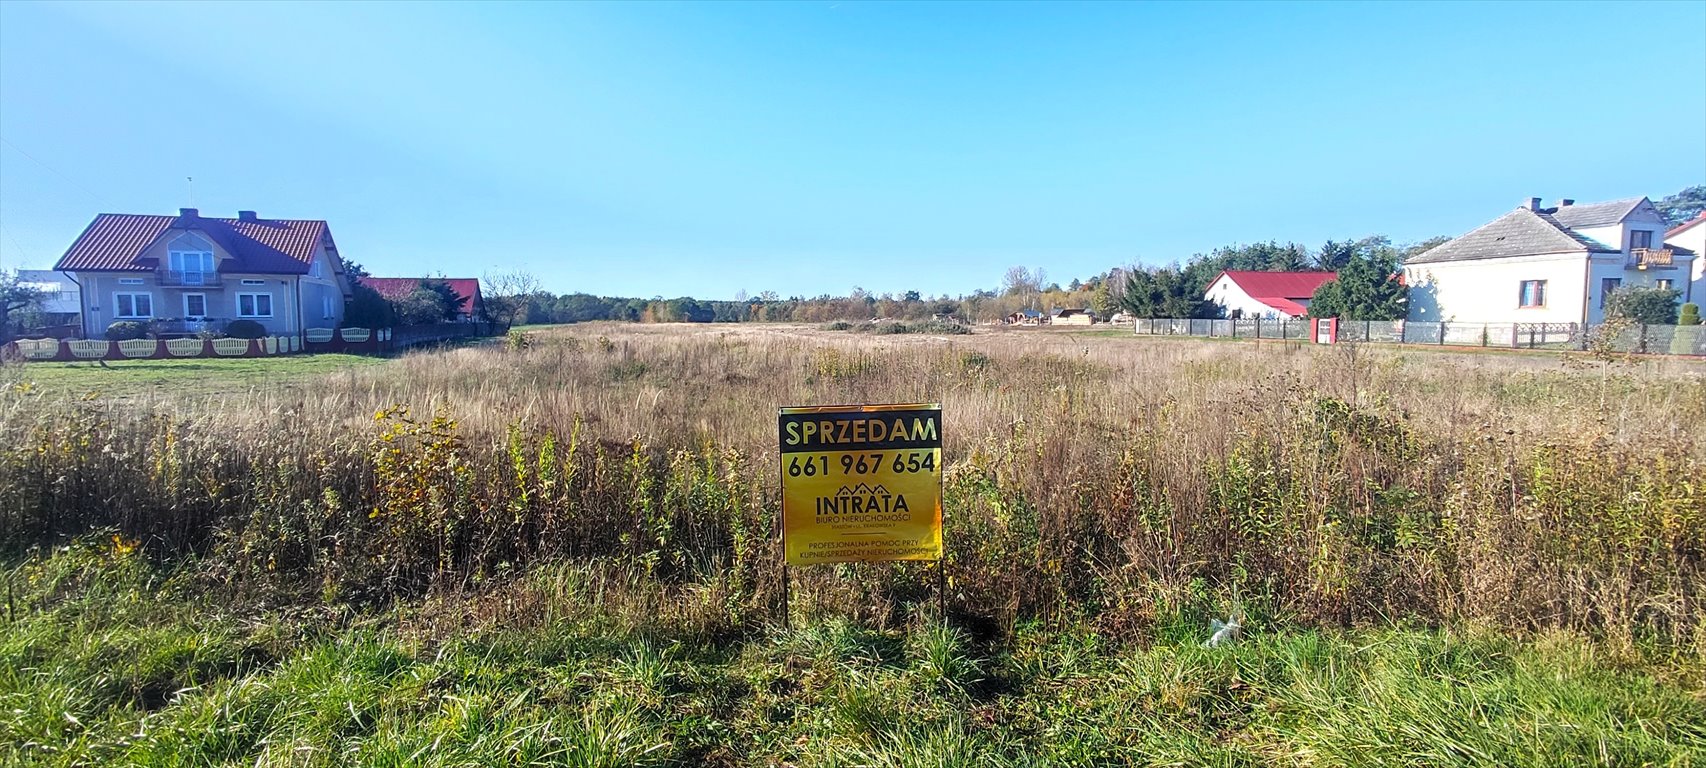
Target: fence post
[[1484, 331], [1515, 338], [1442, 333]]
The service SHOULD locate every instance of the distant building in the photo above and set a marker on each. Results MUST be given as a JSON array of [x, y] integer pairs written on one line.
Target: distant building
[[61, 298], [188, 273], [1265, 295], [1084, 316], [1547, 265], [1025, 317], [1691, 236], [471, 306]]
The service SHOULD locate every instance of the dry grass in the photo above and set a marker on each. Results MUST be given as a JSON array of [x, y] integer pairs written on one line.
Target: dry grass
[[1112, 480]]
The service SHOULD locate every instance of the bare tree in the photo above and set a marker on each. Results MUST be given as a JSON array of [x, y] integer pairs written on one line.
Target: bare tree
[[506, 294]]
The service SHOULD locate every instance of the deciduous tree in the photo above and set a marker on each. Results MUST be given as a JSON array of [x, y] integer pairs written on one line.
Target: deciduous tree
[[1683, 205], [16, 297], [506, 295]]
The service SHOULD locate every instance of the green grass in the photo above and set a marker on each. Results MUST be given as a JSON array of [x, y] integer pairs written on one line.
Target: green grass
[[128, 377], [109, 660]]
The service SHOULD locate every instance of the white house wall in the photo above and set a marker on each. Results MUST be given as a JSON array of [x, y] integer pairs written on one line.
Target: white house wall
[[1619, 236], [1232, 298], [1489, 290], [1694, 239]]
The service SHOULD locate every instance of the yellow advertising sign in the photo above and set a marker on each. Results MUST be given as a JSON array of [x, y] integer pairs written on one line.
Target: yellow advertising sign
[[861, 483]]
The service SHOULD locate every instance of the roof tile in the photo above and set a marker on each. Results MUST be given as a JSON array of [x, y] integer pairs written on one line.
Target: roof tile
[[1521, 232], [1284, 285], [116, 242]]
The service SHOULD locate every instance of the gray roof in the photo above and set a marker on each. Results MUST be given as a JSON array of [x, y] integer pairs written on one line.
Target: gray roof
[[1521, 232], [1595, 214]]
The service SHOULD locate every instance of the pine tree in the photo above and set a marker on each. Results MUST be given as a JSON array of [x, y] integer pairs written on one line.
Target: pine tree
[[1367, 288]]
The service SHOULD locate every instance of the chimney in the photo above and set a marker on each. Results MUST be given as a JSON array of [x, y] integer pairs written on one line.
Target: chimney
[[1533, 204], [247, 216], [189, 213], [1564, 202]]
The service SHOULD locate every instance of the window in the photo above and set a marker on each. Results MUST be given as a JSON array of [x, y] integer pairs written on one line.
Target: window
[[130, 281], [1640, 238], [314, 268], [1533, 293], [326, 307], [1607, 286], [133, 305], [254, 282], [191, 257], [195, 306], [1664, 284], [254, 305]]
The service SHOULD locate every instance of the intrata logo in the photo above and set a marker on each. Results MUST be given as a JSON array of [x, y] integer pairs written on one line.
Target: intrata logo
[[861, 499]]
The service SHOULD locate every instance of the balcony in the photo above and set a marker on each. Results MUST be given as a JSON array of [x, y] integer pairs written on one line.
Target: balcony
[[175, 278], [1642, 258]]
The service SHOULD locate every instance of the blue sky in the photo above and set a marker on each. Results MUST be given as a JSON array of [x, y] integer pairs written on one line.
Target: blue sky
[[666, 149]]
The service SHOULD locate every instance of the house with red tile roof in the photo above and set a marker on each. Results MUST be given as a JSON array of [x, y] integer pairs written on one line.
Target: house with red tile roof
[[470, 305], [189, 273], [1266, 295]]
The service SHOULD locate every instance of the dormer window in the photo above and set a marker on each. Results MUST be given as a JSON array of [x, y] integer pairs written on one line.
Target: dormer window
[[189, 258], [1640, 238]]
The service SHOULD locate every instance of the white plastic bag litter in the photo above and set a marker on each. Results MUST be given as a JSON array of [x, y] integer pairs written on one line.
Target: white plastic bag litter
[[1224, 633]]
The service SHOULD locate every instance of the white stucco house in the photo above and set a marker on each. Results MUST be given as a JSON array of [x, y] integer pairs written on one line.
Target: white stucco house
[[188, 273], [1691, 236], [1546, 265], [1265, 295]]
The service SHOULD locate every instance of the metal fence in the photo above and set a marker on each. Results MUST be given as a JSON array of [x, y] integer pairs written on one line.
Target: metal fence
[[1641, 339]]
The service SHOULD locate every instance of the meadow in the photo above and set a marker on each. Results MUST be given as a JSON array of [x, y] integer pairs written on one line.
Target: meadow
[[561, 550]]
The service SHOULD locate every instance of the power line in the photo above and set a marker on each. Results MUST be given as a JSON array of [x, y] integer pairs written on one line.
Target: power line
[[67, 179]]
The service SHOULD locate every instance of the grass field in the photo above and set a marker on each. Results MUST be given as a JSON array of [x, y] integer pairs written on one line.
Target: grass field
[[565, 555], [172, 377]]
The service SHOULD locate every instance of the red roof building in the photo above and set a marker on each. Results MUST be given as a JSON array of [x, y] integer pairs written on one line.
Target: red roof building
[[119, 242], [190, 273], [471, 304], [1266, 294]]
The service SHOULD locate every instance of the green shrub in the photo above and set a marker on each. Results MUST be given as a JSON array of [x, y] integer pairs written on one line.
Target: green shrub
[[839, 325], [125, 330], [1690, 314], [245, 329], [888, 327], [1647, 306]]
